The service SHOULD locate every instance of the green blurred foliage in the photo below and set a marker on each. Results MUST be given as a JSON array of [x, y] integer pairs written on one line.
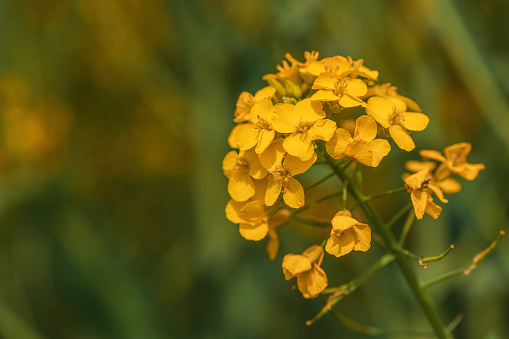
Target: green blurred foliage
[[114, 117]]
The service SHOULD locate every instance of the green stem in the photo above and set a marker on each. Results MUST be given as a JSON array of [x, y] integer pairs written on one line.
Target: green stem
[[383, 194], [313, 204], [406, 228], [319, 181], [398, 215], [421, 295], [345, 194], [310, 222], [446, 276]]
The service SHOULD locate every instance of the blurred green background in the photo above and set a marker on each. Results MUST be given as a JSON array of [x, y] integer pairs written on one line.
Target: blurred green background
[[114, 117]]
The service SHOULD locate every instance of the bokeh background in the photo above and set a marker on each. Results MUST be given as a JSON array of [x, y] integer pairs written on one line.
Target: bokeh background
[[114, 117]]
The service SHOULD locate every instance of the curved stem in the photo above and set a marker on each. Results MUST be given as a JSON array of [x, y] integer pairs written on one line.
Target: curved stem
[[421, 295]]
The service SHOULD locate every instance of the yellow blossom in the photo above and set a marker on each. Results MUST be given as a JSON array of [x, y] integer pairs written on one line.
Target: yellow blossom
[[311, 279], [337, 66], [345, 91], [304, 122], [448, 185], [389, 91], [240, 168], [391, 113], [282, 168], [363, 146], [420, 185], [347, 234], [259, 132], [246, 101], [358, 69], [454, 161]]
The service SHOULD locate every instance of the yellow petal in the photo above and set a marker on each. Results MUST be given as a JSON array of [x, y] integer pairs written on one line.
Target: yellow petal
[[431, 154], [343, 222], [322, 129], [272, 244], [365, 128], [273, 190], [293, 193], [232, 211], [458, 151], [380, 109], [419, 200], [262, 109], [356, 87], [449, 185], [231, 137], [254, 232], [416, 180], [348, 100], [256, 170], [324, 95], [265, 92], [438, 192], [414, 121], [314, 253], [299, 145], [362, 235], [264, 140], [294, 265], [325, 81], [341, 245], [273, 156], [247, 136], [337, 144], [360, 151], [229, 163], [401, 137], [471, 171], [312, 283], [296, 166], [379, 148], [285, 118], [253, 212], [240, 186], [416, 166], [310, 111], [433, 209]]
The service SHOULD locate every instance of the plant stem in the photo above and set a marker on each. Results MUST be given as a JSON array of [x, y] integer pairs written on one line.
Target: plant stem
[[383, 194], [421, 295], [319, 181]]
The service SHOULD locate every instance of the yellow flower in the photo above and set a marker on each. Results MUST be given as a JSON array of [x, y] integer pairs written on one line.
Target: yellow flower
[[337, 66], [246, 101], [345, 91], [259, 132], [363, 146], [420, 185], [311, 279], [391, 113], [305, 121], [358, 69], [454, 162], [347, 234], [282, 168], [240, 168], [281, 218], [388, 91], [448, 185]]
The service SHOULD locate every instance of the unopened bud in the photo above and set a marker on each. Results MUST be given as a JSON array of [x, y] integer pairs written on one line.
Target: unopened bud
[[280, 89]]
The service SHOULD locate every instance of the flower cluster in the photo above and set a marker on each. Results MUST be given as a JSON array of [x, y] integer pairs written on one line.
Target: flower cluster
[[429, 177], [304, 114]]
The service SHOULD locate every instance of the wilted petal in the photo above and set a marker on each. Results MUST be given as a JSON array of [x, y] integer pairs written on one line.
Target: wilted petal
[[416, 180], [433, 209], [419, 200], [312, 283], [294, 265]]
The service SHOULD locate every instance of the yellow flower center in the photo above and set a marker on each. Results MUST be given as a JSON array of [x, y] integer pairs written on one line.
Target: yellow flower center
[[263, 124], [396, 118]]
